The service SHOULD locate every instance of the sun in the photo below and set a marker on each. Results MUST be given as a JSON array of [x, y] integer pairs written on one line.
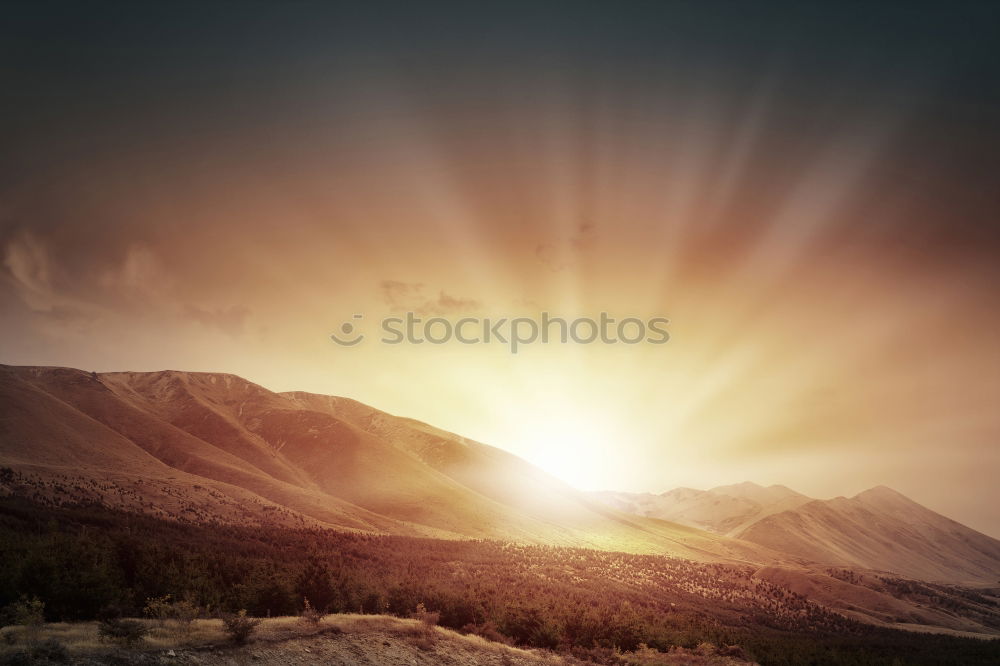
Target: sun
[[571, 446]]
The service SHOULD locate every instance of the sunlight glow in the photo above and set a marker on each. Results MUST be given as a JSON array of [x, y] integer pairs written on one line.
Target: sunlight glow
[[570, 444]]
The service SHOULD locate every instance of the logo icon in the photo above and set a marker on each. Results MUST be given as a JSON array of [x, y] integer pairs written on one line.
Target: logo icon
[[347, 329]]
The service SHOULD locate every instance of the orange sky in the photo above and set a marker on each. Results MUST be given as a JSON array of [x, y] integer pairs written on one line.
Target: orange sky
[[825, 269]]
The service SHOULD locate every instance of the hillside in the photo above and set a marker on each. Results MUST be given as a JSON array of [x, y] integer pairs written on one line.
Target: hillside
[[204, 447], [79, 560], [343, 639], [215, 447], [881, 529], [723, 510]]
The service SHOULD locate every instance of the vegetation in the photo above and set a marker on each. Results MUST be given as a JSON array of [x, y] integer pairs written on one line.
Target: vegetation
[[80, 560], [179, 615], [239, 625], [310, 615], [122, 631], [29, 614], [44, 652]]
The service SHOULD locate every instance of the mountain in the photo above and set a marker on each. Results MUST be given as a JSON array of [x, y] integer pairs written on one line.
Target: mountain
[[881, 529], [206, 447], [724, 510]]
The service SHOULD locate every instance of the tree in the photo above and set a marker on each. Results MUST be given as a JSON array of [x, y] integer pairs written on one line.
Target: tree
[[314, 584]]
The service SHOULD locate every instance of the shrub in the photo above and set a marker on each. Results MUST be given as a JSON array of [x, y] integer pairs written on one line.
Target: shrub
[[429, 618], [239, 626], [485, 630], [30, 614], [123, 632], [309, 614], [181, 613], [50, 650], [423, 635], [184, 614], [531, 626], [159, 609]]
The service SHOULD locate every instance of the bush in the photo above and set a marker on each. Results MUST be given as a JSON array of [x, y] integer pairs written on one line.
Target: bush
[[429, 618], [122, 632], [159, 609], [185, 613], [309, 614], [423, 635], [240, 626], [181, 613], [486, 630], [50, 650], [30, 614]]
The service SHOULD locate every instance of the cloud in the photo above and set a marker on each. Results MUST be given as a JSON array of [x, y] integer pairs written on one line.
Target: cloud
[[140, 276], [410, 297], [231, 320], [35, 279], [400, 295], [559, 255], [29, 267], [63, 292], [448, 303]]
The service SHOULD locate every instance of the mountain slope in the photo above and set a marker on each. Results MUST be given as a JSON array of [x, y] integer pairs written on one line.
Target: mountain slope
[[878, 529], [723, 510], [881, 529], [215, 447]]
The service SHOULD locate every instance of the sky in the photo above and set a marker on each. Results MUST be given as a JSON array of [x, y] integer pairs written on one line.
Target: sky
[[808, 193]]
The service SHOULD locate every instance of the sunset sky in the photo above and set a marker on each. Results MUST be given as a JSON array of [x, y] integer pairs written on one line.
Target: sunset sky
[[810, 195]]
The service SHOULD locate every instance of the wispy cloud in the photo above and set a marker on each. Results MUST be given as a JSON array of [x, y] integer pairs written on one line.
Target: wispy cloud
[[410, 296], [230, 320], [561, 253]]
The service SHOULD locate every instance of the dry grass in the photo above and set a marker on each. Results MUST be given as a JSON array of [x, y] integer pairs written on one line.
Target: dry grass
[[81, 638]]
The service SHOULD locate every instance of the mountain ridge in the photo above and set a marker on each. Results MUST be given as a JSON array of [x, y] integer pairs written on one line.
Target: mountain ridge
[[223, 448], [217, 447], [877, 529]]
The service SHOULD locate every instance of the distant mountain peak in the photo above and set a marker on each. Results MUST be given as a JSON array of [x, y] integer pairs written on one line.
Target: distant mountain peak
[[883, 494], [682, 491], [758, 493], [881, 490], [744, 484]]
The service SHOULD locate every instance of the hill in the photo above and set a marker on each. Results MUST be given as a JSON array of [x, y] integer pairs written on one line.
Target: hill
[[358, 640], [215, 447], [881, 529], [723, 510]]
